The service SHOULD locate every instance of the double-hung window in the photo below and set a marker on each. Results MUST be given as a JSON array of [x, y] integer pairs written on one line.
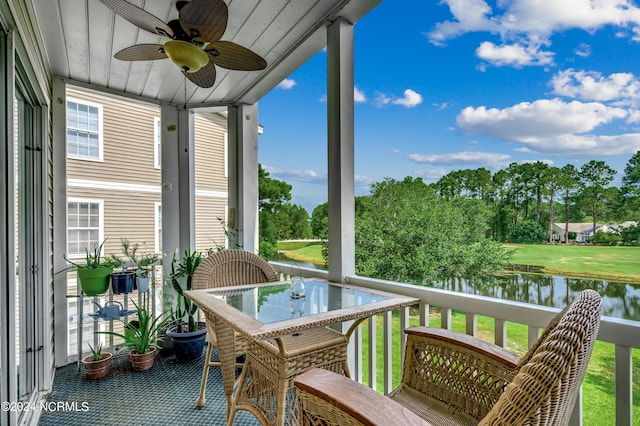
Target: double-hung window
[[84, 226], [84, 130]]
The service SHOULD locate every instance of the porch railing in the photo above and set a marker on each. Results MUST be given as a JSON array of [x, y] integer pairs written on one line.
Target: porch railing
[[623, 334]]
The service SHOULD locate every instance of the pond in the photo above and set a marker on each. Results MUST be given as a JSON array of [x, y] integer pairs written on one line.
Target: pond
[[619, 300]]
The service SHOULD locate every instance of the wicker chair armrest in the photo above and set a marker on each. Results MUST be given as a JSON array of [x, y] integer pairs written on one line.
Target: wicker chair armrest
[[465, 342], [445, 368], [336, 399]]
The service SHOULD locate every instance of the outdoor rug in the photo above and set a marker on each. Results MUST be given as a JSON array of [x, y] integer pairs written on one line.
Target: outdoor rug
[[163, 395]]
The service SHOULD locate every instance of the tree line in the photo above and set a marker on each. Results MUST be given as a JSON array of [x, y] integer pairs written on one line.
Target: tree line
[[526, 199], [412, 231]]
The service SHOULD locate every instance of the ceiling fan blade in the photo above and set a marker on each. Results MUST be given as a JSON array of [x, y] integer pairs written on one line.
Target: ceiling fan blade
[[204, 20], [230, 55], [139, 17], [205, 77], [141, 52]]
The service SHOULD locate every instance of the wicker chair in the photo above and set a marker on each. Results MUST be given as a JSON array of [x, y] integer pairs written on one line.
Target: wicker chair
[[454, 379], [223, 269]]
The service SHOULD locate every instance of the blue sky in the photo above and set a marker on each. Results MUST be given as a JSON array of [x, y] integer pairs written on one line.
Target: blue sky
[[457, 84]]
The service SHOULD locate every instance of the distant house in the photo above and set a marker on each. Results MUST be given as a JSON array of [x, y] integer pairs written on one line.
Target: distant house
[[584, 231]]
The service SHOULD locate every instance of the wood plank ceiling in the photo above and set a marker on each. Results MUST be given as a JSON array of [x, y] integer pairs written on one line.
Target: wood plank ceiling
[[81, 37]]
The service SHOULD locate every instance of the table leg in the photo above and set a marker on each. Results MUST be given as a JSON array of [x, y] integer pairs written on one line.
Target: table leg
[[227, 352]]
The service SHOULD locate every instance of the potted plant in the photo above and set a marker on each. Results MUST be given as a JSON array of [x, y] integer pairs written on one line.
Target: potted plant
[[144, 267], [142, 340], [96, 365], [141, 265], [94, 273], [123, 280], [187, 334]]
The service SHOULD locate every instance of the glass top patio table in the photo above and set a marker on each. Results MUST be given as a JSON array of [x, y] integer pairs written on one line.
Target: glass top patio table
[[276, 303], [267, 310]]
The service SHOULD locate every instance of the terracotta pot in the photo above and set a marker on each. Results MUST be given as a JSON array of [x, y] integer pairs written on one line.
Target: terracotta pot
[[142, 362], [97, 369]]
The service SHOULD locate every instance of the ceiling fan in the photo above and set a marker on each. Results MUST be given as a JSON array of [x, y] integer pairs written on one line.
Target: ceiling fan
[[194, 46]]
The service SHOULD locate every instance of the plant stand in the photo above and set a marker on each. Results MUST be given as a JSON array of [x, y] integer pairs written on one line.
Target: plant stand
[[151, 294]]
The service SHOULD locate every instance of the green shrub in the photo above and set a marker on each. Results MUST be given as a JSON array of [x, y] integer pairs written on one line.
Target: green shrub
[[528, 231], [606, 238]]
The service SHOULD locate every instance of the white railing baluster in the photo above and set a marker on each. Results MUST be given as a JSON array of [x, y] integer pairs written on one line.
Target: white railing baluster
[[472, 324], [624, 383], [388, 352], [424, 313], [445, 318], [404, 323], [533, 334], [373, 353], [356, 340], [500, 331]]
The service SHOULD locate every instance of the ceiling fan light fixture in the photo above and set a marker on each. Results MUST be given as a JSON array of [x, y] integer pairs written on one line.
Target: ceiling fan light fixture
[[186, 56]]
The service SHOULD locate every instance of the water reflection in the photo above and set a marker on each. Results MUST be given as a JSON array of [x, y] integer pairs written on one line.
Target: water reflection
[[620, 300]]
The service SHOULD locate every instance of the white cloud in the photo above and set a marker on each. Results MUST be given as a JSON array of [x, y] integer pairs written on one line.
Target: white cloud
[[470, 15], [583, 50], [295, 174], [620, 88], [551, 126], [522, 25], [410, 99], [542, 17], [287, 84], [547, 162], [381, 99], [432, 175], [515, 55], [490, 159]]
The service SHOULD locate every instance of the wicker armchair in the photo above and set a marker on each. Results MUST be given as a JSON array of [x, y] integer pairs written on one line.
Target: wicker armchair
[[454, 379], [223, 269]]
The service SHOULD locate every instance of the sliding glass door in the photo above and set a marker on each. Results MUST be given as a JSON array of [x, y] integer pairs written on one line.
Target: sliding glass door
[[28, 236]]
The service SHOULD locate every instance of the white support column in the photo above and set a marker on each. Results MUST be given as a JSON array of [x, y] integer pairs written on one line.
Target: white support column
[[178, 182], [243, 175], [59, 106], [340, 149]]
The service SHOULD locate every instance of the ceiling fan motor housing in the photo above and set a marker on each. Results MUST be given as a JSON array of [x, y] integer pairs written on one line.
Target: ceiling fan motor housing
[[186, 56]]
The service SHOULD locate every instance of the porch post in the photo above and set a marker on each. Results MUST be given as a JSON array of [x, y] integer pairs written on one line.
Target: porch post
[[340, 149], [243, 175], [178, 182]]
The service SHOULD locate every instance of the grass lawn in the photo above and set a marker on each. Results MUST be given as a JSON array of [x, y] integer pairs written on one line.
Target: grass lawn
[[303, 251], [598, 386], [609, 263]]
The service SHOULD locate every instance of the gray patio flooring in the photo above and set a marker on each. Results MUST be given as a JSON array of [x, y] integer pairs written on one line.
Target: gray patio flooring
[[163, 395]]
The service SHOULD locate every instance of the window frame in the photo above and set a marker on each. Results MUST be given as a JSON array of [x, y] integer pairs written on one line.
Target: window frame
[[100, 223], [157, 143], [157, 229], [100, 131]]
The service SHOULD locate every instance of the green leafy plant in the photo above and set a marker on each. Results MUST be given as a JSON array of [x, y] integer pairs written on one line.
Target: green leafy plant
[[96, 353], [185, 308], [93, 260], [141, 264], [145, 335]]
